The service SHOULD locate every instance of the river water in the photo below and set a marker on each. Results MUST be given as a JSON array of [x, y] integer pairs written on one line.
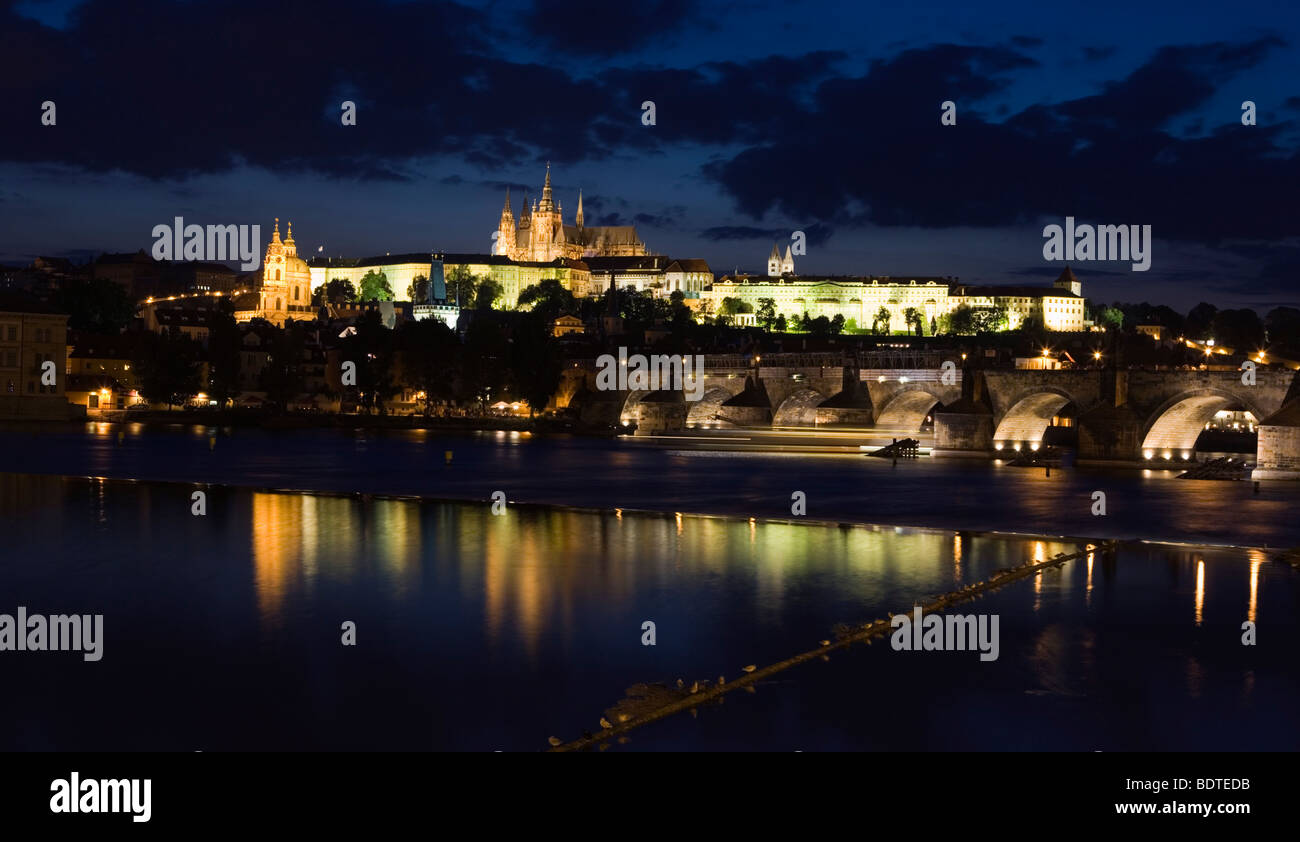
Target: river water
[[482, 632]]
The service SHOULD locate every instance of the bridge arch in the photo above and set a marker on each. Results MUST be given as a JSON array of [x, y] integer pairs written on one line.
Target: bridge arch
[[631, 411], [1172, 429], [799, 409], [1028, 416], [906, 411], [707, 407]]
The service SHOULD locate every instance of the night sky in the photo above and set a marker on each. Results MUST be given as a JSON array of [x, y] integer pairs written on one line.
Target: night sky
[[771, 117]]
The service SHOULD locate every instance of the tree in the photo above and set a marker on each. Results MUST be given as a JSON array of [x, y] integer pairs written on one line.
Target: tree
[[429, 352], [796, 322], [820, 326], [487, 293], [1112, 317], [536, 361], [987, 319], [418, 291], [961, 320], [461, 286], [282, 379], [837, 324], [731, 306], [224, 345], [167, 367], [780, 325], [880, 323], [549, 299], [339, 291], [1240, 330], [96, 305], [375, 287], [914, 319], [765, 315], [1200, 319], [371, 348], [484, 358], [1283, 325]]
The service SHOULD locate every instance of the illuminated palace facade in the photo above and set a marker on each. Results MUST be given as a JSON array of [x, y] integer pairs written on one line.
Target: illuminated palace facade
[[1059, 307]]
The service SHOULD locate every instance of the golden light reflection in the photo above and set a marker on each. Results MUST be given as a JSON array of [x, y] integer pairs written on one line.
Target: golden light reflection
[[956, 558], [1040, 554], [1256, 561], [678, 515], [1087, 594], [1200, 590], [277, 542]]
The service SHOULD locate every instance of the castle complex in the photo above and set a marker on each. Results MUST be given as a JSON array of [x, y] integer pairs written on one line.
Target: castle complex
[[541, 236]]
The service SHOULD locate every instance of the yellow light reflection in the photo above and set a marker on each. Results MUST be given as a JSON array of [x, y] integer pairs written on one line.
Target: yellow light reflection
[[1256, 561], [1200, 590]]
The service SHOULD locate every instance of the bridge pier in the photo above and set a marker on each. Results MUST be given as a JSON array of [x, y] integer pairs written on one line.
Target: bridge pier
[[1110, 433], [966, 433], [1277, 454]]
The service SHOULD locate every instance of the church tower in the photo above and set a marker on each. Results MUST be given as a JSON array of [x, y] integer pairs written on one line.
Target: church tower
[[506, 230], [774, 261], [578, 218], [787, 265], [285, 291]]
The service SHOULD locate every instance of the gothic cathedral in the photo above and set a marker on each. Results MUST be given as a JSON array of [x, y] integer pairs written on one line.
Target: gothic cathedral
[[540, 235]]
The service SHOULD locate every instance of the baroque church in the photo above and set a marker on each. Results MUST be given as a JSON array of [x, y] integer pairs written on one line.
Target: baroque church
[[285, 289], [540, 235]]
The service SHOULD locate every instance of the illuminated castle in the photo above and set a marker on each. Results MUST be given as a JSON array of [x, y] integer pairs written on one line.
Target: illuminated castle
[[540, 235]]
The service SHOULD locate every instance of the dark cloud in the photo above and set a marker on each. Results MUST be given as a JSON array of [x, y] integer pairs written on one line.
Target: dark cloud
[[1098, 53], [602, 28], [871, 149], [1026, 42]]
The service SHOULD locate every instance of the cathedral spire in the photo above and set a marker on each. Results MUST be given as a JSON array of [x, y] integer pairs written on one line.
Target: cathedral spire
[[507, 212], [275, 236], [547, 204], [578, 219]]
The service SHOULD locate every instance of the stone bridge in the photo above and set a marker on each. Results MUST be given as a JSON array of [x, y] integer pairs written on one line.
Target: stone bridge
[[1121, 415]]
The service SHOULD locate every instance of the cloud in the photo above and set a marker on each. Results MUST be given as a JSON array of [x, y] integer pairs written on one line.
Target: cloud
[[602, 28]]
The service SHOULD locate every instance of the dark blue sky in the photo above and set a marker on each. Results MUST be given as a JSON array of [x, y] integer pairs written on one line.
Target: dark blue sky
[[771, 117]]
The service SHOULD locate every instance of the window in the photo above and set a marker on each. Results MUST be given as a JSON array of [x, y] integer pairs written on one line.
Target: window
[[277, 274], [13, 333]]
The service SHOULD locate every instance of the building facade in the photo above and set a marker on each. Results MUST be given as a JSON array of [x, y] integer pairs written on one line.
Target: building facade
[[859, 300], [32, 337]]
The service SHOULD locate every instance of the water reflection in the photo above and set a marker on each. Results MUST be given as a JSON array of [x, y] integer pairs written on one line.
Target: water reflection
[[546, 605]]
